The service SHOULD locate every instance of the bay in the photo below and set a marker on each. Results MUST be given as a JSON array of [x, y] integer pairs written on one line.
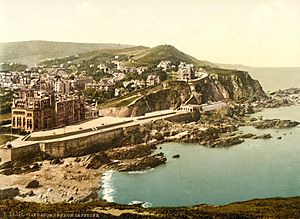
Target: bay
[[254, 169]]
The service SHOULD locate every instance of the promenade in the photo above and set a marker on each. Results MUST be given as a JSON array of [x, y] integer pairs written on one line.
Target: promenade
[[91, 127]]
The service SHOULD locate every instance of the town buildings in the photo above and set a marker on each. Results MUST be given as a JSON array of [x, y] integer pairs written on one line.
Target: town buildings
[[49, 96], [152, 80], [165, 65]]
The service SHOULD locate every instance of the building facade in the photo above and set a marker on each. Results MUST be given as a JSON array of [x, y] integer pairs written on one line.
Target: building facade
[[68, 111], [33, 111], [186, 71], [38, 110]]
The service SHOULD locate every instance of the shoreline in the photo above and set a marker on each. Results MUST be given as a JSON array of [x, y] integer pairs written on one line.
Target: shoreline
[[65, 180]]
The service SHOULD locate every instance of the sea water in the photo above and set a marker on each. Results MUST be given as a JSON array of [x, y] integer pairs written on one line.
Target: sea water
[[273, 79], [257, 168]]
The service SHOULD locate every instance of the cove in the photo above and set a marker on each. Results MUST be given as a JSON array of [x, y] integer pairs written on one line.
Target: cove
[[254, 169]]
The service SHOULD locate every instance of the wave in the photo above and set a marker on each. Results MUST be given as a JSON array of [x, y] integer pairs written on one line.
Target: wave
[[107, 188], [140, 172], [141, 203], [147, 205]]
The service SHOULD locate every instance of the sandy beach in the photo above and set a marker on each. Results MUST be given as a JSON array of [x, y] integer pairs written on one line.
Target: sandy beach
[[66, 182]]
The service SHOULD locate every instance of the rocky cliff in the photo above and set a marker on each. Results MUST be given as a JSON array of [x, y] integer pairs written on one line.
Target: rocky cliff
[[237, 86]]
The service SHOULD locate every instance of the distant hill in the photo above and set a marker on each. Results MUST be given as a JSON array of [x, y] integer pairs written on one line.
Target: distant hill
[[133, 56], [30, 52], [94, 57], [233, 66]]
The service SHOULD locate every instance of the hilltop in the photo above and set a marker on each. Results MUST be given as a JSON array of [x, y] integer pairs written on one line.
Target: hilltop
[[152, 56], [30, 52]]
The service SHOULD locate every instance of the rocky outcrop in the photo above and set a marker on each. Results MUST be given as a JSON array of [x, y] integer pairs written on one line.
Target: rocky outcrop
[[142, 163], [280, 98], [234, 85], [275, 102], [9, 193], [97, 160], [264, 136], [129, 152], [226, 142], [286, 92], [17, 167], [33, 184], [274, 123]]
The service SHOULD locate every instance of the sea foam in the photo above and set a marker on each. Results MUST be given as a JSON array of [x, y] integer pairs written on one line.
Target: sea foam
[[107, 188], [141, 203]]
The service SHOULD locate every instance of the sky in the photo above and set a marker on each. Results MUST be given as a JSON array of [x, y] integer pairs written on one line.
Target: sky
[[249, 32]]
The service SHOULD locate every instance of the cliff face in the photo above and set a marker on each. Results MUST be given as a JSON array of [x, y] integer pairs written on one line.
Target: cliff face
[[238, 86], [172, 96]]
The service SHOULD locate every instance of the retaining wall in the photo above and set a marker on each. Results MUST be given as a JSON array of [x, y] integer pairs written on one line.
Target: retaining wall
[[25, 152], [186, 117], [83, 145]]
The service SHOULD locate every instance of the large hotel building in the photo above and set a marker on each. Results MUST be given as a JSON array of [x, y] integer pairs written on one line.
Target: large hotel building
[[41, 110]]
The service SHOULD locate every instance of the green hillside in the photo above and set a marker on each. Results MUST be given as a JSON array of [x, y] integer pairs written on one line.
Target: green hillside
[[133, 56], [166, 52], [30, 52], [95, 57]]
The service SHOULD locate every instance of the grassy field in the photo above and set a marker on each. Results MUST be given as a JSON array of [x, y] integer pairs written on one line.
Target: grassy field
[[130, 97], [220, 71]]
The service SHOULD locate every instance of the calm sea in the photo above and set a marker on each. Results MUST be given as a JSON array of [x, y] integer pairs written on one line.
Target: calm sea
[[276, 78], [253, 169]]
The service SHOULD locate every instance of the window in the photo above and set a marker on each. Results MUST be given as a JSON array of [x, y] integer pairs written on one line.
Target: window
[[14, 121]]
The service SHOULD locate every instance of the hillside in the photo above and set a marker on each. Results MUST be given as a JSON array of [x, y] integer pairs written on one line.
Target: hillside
[[30, 52], [152, 56], [133, 56]]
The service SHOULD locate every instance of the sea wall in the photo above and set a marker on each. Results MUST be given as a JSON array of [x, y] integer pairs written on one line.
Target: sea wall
[[84, 144], [25, 152], [186, 117]]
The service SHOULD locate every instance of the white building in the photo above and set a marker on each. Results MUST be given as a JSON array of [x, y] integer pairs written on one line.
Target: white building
[[165, 65]]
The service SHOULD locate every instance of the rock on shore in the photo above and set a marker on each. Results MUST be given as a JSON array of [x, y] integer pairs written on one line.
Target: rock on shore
[[97, 160], [280, 98], [142, 163], [9, 193], [274, 123]]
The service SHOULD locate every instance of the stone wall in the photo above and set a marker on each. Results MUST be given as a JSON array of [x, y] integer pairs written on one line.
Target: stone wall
[[184, 117], [25, 152], [84, 145]]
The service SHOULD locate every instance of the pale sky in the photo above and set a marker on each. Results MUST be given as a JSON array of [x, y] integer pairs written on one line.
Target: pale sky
[[249, 32]]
